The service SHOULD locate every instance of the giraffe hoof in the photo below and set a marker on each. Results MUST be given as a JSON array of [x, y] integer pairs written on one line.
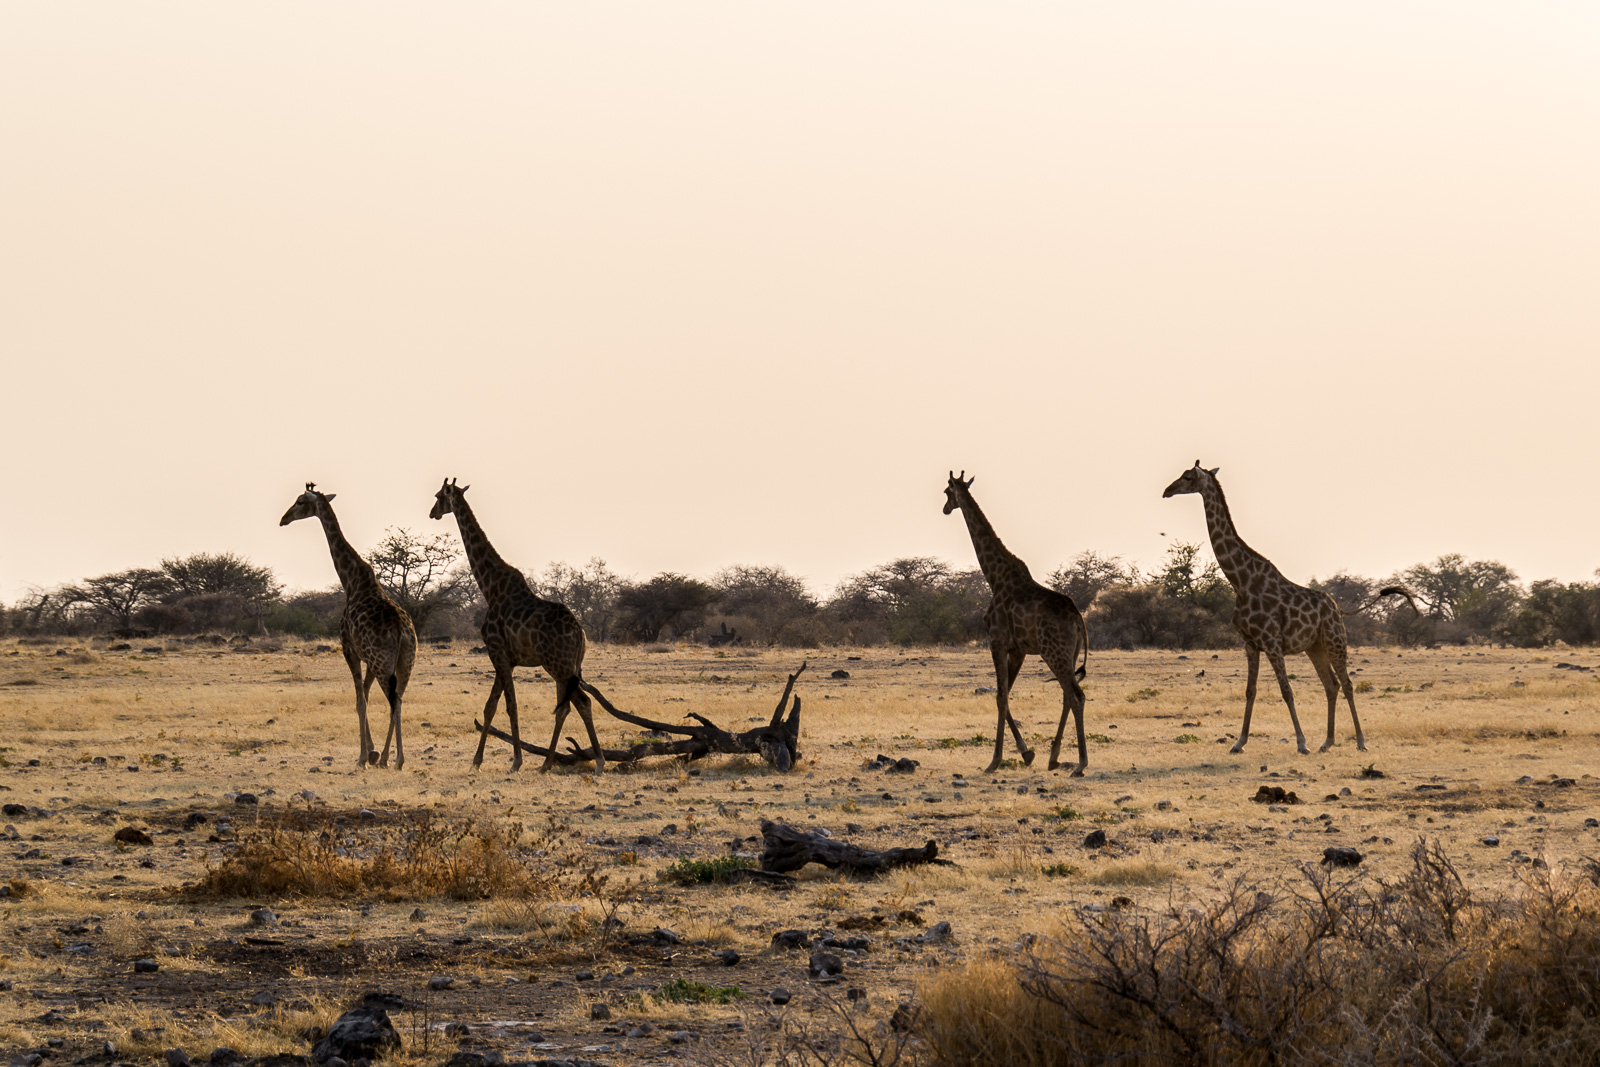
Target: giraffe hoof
[[1325, 746], [1053, 764], [1027, 757], [1361, 746], [1236, 749], [992, 767], [1077, 772], [1304, 751]]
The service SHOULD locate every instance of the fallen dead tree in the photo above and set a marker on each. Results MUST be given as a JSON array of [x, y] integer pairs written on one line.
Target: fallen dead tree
[[778, 742], [788, 849]]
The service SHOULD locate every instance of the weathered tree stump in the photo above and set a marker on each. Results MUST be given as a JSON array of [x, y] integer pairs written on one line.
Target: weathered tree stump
[[778, 742], [788, 849]]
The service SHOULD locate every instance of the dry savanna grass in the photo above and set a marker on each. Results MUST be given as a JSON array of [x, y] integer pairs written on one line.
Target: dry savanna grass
[[510, 885]]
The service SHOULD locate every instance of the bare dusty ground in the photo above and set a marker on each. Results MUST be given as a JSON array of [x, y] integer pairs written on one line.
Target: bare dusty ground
[[1464, 745]]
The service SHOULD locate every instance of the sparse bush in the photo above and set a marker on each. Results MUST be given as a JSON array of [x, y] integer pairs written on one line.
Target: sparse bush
[[705, 872], [1329, 972], [687, 991]]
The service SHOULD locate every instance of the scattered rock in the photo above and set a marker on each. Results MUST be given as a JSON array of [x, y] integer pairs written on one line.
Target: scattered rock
[[440, 982], [176, 1057], [791, 939], [1275, 794], [1492, 841], [840, 673], [780, 996], [824, 964], [264, 999], [728, 957], [1372, 772], [263, 917], [600, 1012], [683, 1037], [222, 1055], [1341, 857], [937, 933], [1095, 839], [362, 1033], [145, 966], [132, 835], [247, 798], [417, 915]]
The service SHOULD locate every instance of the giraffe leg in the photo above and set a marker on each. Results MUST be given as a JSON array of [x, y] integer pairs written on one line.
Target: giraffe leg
[[580, 700], [1079, 700], [511, 711], [1275, 657], [391, 692], [1330, 685], [1013, 668], [488, 716], [353, 661], [1350, 698], [1253, 659], [562, 708], [369, 751], [1002, 679]]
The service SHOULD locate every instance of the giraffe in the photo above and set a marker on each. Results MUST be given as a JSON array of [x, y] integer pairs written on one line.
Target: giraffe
[[1276, 616], [520, 630], [1024, 618], [373, 627]]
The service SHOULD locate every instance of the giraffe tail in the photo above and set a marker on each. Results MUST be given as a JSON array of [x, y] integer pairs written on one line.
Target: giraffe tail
[[1083, 671]]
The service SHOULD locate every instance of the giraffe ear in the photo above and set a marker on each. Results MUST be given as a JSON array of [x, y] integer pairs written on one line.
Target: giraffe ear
[[971, 480], [329, 496], [1213, 471]]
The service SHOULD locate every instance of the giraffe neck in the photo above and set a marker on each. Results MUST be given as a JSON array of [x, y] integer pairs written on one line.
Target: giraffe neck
[[1245, 567], [994, 559], [355, 573], [493, 574]]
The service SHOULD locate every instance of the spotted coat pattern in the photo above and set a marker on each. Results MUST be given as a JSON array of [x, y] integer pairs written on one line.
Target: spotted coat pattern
[[1274, 615], [521, 629], [373, 629], [1024, 619]]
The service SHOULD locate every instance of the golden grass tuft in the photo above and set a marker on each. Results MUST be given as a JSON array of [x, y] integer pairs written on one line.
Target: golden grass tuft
[[1133, 873], [464, 859]]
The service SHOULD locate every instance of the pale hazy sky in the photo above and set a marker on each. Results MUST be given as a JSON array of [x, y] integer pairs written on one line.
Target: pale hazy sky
[[683, 285]]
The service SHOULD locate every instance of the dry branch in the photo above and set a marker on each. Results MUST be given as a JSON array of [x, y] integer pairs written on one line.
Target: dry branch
[[788, 849], [778, 742]]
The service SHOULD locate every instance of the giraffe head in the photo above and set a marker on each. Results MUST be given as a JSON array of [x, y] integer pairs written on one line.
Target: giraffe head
[[955, 490], [1192, 480], [447, 499], [306, 505]]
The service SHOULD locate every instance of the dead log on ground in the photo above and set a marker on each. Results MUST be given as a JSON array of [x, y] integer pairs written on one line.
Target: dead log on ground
[[788, 849], [778, 742]]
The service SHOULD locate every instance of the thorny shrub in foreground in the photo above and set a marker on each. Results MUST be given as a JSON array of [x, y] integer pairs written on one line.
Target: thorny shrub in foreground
[[1333, 972], [424, 858]]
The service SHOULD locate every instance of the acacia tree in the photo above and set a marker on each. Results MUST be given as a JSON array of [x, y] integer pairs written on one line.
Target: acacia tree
[[421, 575], [667, 600], [116, 597], [767, 599], [1088, 574], [1476, 596]]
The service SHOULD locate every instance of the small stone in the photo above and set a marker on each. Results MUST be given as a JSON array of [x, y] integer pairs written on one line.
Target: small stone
[[264, 999], [246, 798], [440, 982], [1590, 824], [223, 1055], [108, 1049], [1341, 857], [1095, 839], [791, 939], [145, 966], [457, 1030], [417, 915], [584, 976], [824, 964], [780, 995], [856, 993], [939, 931], [600, 1012], [728, 957], [176, 1057], [683, 1037], [367, 815], [132, 835], [263, 917], [1492, 841]]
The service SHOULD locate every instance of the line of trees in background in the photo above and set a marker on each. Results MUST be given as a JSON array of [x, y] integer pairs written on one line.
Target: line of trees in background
[[1184, 602]]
